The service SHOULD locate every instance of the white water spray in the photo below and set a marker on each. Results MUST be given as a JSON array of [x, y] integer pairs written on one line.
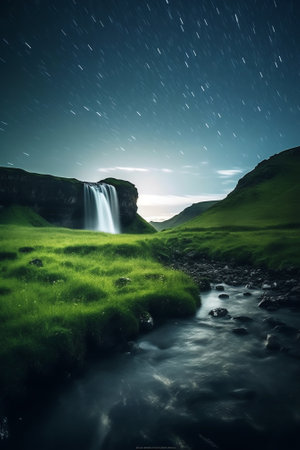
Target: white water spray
[[101, 208]]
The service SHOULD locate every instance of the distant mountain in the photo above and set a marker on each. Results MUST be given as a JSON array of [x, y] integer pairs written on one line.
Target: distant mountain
[[267, 196], [187, 214]]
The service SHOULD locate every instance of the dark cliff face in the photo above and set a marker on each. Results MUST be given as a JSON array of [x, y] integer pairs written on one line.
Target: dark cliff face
[[58, 200]]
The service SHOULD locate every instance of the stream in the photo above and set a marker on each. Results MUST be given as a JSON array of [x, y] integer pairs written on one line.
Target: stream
[[189, 384]]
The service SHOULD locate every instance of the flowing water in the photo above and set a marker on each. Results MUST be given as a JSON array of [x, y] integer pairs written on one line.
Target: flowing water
[[101, 208], [190, 384]]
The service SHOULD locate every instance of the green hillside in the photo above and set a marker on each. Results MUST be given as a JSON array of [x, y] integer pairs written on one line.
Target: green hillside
[[268, 196], [138, 226], [21, 215], [184, 216]]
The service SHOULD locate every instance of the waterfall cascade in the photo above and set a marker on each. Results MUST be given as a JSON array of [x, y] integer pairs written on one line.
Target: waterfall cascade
[[101, 208]]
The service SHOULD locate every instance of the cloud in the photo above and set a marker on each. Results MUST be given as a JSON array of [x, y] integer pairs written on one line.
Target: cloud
[[175, 200], [133, 169], [123, 169], [229, 173]]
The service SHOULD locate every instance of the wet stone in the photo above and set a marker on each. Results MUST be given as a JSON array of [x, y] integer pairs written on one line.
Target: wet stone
[[273, 322], [247, 294], [268, 304], [240, 331], [218, 312], [272, 343], [223, 296], [243, 319], [219, 287]]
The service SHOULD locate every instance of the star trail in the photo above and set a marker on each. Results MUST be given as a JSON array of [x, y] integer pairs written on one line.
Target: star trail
[[179, 97]]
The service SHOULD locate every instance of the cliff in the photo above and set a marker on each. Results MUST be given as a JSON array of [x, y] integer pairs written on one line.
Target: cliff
[[59, 200]]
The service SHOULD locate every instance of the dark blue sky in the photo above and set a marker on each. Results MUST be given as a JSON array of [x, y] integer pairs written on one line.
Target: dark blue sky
[[181, 97]]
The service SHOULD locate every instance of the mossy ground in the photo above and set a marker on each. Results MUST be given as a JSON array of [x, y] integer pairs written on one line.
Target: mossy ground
[[52, 315]]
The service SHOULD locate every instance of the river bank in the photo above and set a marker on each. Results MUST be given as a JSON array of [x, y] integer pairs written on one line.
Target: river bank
[[193, 384], [280, 288]]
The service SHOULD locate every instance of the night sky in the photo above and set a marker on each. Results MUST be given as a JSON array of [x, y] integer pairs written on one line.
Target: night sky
[[180, 97]]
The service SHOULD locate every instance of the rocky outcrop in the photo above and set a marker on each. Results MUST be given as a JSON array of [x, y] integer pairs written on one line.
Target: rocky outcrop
[[59, 200]]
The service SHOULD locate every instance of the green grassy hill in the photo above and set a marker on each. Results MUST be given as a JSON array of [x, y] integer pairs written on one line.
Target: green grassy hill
[[268, 196], [66, 292], [184, 216], [138, 226], [21, 215]]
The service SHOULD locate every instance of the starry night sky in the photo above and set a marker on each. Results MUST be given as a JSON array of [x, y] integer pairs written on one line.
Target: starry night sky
[[181, 97]]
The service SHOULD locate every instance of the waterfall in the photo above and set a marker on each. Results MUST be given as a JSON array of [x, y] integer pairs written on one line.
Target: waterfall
[[101, 208]]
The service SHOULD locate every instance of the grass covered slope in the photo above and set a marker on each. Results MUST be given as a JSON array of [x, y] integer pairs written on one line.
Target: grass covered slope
[[63, 292], [138, 226], [21, 215], [270, 248], [184, 216], [268, 196]]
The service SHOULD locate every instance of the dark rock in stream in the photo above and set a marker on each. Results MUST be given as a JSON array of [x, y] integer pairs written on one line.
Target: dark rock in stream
[[218, 312], [204, 285], [281, 287], [273, 322], [243, 319], [272, 343], [219, 287], [223, 296], [240, 331], [269, 304]]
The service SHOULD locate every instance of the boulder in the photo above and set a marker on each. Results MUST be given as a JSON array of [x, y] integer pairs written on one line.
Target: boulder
[[223, 296], [268, 303], [272, 343], [204, 285], [219, 287], [243, 319], [218, 312]]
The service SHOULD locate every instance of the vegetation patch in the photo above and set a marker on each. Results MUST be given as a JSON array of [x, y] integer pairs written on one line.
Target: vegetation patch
[[53, 314]]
